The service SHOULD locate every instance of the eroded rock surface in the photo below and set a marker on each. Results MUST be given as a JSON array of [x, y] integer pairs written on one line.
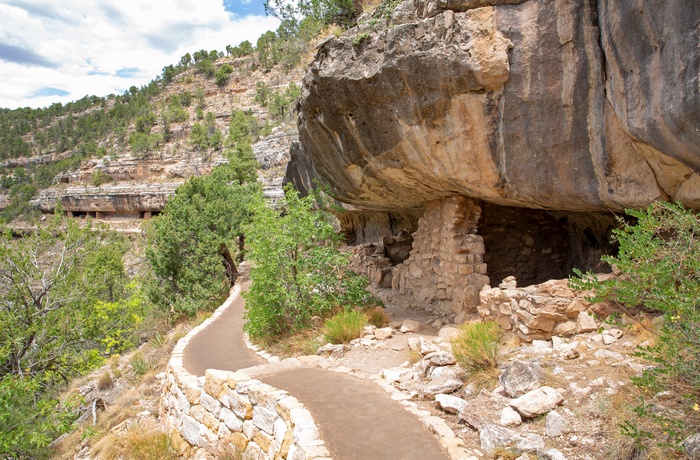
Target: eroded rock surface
[[547, 104]]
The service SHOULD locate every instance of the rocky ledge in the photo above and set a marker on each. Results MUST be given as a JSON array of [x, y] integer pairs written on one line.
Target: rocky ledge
[[575, 106]]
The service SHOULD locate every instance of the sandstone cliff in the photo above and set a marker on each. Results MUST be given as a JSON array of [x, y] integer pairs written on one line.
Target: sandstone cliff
[[544, 115], [567, 105]]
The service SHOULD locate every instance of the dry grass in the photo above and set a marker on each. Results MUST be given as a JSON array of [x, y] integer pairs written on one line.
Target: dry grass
[[505, 454], [305, 342], [377, 317], [619, 409], [413, 356], [138, 443], [645, 330], [477, 349], [105, 381]]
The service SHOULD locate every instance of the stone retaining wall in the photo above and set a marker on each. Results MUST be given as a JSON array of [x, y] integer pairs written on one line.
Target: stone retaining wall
[[230, 412]]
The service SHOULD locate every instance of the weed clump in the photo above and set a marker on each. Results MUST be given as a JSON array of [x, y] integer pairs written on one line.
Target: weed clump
[[376, 317], [141, 364], [345, 326], [477, 349]]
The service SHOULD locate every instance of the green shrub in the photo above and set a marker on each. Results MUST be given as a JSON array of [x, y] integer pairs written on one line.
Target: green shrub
[[659, 265], [141, 364], [477, 349], [345, 326], [298, 271]]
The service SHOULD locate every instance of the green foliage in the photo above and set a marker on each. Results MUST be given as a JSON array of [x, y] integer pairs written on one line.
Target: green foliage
[[243, 126], [659, 262], [223, 73], [359, 38], [142, 144], [205, 137], [477, 349], [297, 269], [206, 67], [345, 326], [100, 177], [262, 93], [341, 12], [192, 243], [200, 99], [141, 364], [281, 102], [45, 300], [29, 420]]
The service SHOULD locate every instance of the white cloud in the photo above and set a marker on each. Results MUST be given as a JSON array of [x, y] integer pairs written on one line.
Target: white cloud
[[78, 46]]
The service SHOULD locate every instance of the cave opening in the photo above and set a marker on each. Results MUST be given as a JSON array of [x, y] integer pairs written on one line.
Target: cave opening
[[534, 245]]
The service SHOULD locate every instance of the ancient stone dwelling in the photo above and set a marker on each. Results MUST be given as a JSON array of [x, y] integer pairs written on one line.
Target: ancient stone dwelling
[[474, 141]]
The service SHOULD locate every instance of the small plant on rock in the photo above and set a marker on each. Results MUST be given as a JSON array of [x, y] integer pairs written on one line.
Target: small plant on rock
[[345, 326], [477, 349]]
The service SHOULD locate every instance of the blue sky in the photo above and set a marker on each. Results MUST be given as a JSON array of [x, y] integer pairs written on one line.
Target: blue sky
[[61, 51]]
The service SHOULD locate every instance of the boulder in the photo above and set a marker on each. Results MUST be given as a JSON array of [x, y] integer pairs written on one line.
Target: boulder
[[509, 417], [450, 404], [443, 385], [493, 102], [692, 446], [493, 437], [537, 402], [518, 378], [555, 425]]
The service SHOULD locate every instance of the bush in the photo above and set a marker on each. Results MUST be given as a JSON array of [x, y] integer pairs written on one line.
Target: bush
[[298, 272], [477, 349], [659, 263], [345, 326], [29, 420]]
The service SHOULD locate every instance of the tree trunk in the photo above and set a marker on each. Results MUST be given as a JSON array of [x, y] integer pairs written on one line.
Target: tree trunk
[[230, 264]]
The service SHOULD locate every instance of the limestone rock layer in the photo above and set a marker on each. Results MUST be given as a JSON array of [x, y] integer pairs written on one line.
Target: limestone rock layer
[[570, 105]]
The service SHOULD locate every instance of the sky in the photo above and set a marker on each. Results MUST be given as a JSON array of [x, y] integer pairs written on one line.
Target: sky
[[60, 51]]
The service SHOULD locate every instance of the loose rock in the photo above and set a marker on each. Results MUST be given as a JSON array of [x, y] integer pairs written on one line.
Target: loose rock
[[555, 425], [519, 378], [410, 325], [450, 404], [537, 402], [509, 417]]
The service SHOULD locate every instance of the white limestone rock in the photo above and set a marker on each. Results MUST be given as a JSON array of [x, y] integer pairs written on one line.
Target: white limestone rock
[[555, 425], [509, 417], [410, 325], [537, 402], [519, 378], [450, 404]]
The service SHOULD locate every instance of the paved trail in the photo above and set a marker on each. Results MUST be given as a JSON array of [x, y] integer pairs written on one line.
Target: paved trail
[[357, 420]]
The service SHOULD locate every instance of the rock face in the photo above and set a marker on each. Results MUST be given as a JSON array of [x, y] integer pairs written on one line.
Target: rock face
[[573, 105], [107, 198], [543, 115]]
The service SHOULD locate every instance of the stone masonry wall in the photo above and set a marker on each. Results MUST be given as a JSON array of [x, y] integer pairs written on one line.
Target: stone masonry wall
[[445, 270], [232, 412], [537, 312]]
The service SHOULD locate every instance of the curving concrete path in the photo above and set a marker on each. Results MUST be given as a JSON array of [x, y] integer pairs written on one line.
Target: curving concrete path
[[357, 419]]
